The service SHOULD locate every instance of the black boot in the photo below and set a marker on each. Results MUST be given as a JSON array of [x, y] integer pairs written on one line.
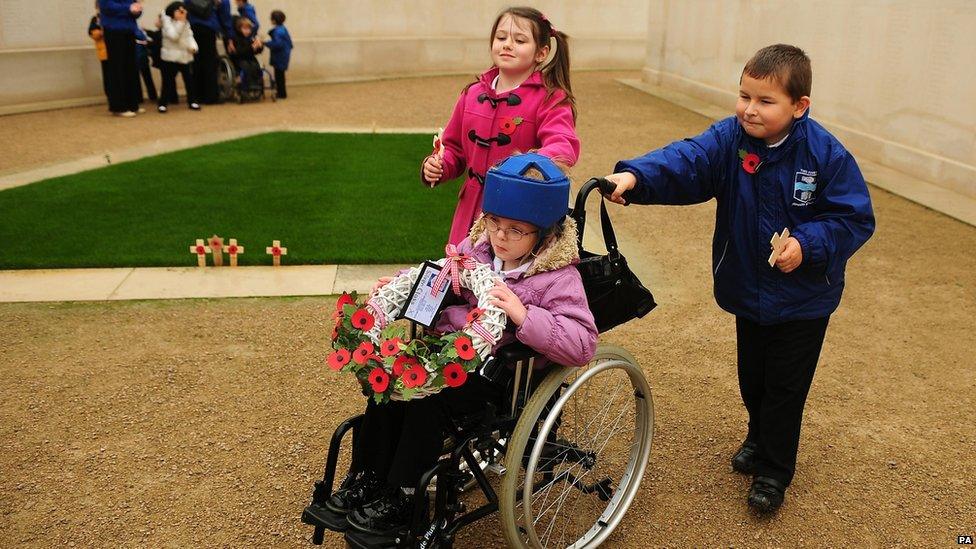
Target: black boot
[[355, 491], [384, 516], [766, 494], [744, 460]]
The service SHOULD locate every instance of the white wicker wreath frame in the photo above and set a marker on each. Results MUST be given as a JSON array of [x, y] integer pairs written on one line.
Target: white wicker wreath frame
[[389, 300]]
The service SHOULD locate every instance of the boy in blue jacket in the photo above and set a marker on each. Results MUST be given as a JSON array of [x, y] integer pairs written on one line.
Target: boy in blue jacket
[[769, 167], [279, 42]]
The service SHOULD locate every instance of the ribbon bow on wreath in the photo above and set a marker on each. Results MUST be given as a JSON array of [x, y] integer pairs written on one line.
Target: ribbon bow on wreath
[[452, 267]]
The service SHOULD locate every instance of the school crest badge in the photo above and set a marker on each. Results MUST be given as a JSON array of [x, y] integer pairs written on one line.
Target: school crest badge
[[804, 188]]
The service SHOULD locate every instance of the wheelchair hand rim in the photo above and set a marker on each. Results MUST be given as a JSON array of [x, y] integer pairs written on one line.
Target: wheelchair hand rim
[[636, 465]]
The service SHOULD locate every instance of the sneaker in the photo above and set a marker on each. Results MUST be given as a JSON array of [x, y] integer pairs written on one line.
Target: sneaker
[[385, 516], [126, 114], [744, 460], [162, 108], [355, 491], [141, 110], [195, 106], [766, 494]]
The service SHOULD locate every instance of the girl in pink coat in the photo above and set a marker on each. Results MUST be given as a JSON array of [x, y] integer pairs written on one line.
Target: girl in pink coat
[[516, 106]]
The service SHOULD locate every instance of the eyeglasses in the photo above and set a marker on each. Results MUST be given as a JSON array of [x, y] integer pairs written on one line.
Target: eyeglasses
[[511, 234]]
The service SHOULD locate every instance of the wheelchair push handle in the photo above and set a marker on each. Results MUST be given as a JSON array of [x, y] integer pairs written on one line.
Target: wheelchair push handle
[[578, 212]]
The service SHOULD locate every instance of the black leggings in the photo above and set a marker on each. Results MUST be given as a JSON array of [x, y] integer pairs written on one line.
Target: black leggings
[[205, 64], [400, 441], [169, 71]]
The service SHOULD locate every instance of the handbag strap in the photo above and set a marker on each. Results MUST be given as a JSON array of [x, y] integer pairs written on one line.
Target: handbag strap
[[579, 213]]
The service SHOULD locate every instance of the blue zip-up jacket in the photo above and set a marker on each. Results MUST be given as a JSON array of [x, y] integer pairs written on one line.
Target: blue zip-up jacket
[[280, 46], [810, 184], [219, 20], [247, 10], [115, 16]]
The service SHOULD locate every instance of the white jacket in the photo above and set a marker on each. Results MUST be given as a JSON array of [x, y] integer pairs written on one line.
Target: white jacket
[[178, 44]]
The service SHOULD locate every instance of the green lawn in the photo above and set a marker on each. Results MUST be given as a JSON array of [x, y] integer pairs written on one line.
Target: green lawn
[[329, 198]]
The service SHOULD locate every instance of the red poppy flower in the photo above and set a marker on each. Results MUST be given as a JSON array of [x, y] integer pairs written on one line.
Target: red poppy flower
[[338, 359], [750, 163], [344, 299], [390, 347], [507, 126], [475, 315], [215, 243], [379, 380], [464, 347], [363, 352], [232, 249], [201, 250], [276, 251], [415, 377], [454, 375], [404, 362], [335, 334], [362, 320]]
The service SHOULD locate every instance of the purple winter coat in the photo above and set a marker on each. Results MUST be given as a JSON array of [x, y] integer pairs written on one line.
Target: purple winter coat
[[559, 324]]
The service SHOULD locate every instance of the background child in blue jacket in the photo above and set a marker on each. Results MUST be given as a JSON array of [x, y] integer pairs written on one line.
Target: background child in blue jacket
[[279, 42], [770, 166]]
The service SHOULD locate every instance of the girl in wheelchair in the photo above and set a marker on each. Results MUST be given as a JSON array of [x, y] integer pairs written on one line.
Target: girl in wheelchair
[[525, 235]]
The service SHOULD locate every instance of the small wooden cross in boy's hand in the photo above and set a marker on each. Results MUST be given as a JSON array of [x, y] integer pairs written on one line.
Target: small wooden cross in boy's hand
[[787, 252]]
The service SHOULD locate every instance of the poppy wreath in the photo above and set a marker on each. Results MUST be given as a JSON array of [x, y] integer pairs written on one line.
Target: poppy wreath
[[367, 344]]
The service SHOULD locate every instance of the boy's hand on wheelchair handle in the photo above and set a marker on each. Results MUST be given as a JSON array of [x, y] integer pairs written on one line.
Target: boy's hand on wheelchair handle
[[624, 181], [791, 256], [506, 300], [433, 169]]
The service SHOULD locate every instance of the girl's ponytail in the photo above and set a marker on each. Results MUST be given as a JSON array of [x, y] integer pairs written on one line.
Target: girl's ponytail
[[556, 73]]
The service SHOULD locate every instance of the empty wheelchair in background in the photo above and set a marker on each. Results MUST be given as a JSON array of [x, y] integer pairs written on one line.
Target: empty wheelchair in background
[[233, 86], [560, 459]]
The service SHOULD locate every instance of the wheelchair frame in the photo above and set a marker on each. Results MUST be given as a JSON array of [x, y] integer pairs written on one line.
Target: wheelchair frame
[[520, 432], [229, 90]]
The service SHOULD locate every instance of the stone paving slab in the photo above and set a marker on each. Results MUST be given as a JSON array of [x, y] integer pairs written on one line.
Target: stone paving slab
[[186, 282]]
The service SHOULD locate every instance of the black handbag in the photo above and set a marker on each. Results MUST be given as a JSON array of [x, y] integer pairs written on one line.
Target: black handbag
[[614, 292], [200, 8]]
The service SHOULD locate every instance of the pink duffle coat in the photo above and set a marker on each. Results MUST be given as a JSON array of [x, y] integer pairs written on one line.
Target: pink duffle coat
[[486, 128]]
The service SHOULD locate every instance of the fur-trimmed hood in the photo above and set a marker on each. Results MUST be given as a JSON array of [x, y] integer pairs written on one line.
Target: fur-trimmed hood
[[557, 254]]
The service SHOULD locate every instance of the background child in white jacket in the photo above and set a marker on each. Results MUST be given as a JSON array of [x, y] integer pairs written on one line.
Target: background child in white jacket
[[177, 55]]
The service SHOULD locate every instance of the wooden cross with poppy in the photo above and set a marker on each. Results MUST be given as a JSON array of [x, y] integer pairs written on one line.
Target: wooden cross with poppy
[[233, 248], [217, 247], [276, 251], [201, 250]]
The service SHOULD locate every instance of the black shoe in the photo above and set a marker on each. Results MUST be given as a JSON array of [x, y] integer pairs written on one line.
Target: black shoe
[[354, 492], [384, 516], [744, 460], [766, 494]]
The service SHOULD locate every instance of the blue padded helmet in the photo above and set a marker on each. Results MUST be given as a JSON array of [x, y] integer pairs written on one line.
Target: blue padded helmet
[[508, 193]]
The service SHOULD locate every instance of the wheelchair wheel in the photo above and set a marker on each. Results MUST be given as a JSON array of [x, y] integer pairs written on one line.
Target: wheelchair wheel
[[577, 455], [225, 78]]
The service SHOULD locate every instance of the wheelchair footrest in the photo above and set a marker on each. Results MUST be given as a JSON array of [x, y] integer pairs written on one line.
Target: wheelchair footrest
[[361, 540], [320, 515]]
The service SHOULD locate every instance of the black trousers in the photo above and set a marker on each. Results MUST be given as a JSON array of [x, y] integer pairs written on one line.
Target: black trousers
[[205, 64], [402, 440], [776, 367], [147, 80], [122, 74], [170, 71], [279, 75]]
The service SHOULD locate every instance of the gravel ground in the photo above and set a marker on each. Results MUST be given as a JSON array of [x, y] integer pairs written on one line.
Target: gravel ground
[[204, 423]]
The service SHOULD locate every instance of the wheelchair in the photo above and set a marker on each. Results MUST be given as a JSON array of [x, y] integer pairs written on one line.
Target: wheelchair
[[230, 89], [560, 460]]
